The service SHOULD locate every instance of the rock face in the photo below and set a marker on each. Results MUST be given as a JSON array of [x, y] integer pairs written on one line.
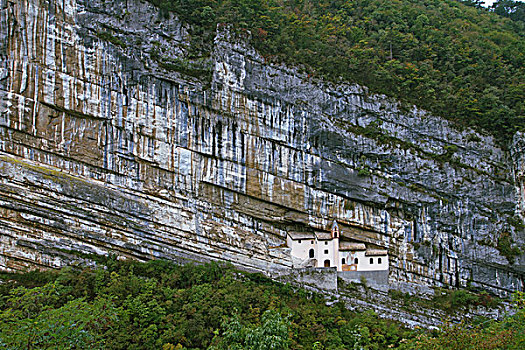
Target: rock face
[[112, 139]]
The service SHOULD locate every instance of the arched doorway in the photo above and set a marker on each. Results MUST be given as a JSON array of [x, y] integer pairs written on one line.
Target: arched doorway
[[327, 263]]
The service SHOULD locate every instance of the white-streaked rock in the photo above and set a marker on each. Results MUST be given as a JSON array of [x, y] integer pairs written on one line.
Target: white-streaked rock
[[104, 150]]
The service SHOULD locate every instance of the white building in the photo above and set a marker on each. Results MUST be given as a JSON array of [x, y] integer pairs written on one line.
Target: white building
[[324, 249], [356, 257], [315, 249]]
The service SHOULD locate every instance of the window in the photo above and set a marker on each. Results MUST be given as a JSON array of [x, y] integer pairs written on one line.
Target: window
[[311, 253], [356, 260], [327, 263], [299, 241], [326, 243], [343, 261], [326, 251], [379, 260], [312, 242], [371, 261]]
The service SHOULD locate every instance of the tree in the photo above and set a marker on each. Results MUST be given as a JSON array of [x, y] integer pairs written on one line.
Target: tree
[[77, 324], [515, 10], [474, 3], [272, 334]]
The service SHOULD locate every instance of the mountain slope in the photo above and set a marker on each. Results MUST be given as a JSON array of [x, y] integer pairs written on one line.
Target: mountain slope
[[463, 63], [115, 136]]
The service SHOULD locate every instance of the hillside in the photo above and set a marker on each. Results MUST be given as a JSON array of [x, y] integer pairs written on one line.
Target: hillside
[[457, 61], [162, 306]]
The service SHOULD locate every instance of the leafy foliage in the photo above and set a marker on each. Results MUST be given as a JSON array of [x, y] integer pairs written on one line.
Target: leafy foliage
[[271, 334], [458, 61], [508, 334], [37, 318], [158, 305], [507, 247], [447, 300], [515, 10]]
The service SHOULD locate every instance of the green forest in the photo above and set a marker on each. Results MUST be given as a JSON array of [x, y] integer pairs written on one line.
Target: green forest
[[453, 58], [160, 305]]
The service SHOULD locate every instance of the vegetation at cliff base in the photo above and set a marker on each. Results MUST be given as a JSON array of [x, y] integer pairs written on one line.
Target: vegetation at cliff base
[[462, 62], [159, 305]]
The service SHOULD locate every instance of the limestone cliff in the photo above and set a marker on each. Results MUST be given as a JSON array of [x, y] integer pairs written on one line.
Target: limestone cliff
[[113, 140]]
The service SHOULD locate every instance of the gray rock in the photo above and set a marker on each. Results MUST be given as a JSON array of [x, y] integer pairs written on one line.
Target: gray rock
[[113, 140]]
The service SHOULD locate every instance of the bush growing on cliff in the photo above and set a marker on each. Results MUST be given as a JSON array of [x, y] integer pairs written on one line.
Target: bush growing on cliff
[[507, 247]]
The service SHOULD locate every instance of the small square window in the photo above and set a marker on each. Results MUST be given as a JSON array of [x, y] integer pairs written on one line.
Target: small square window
[[371, 261], [379, 260], [326, 251], [326, 243], [299, 241], [312, 242]]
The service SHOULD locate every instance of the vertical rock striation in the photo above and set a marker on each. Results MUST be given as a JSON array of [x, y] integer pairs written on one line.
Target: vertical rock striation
[[112, 139]]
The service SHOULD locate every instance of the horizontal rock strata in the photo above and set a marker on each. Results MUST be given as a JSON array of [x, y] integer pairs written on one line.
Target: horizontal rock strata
[[105, 147]]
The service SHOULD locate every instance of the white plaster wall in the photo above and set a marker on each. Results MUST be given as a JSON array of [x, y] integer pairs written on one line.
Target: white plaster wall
[[335, 249], [301, 250], [347, 256], [364, 262], [329, 246]]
